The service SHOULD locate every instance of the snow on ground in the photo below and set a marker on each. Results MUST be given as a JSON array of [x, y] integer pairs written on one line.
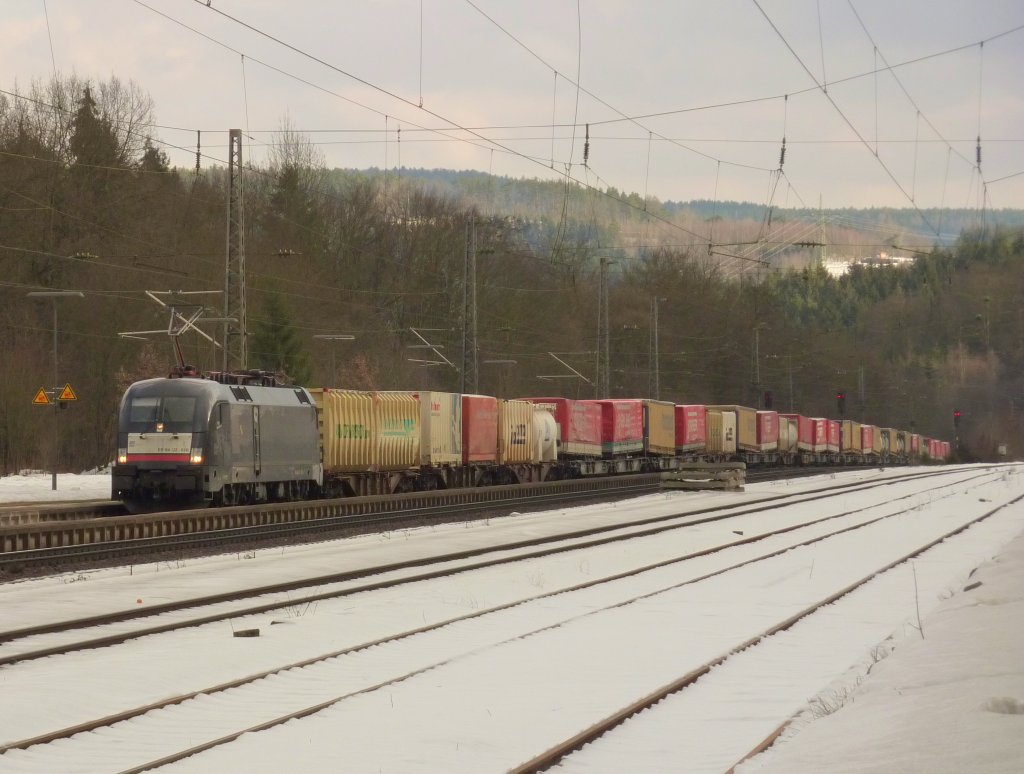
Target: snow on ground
[[952, 702], [35, 486], [947, 702]]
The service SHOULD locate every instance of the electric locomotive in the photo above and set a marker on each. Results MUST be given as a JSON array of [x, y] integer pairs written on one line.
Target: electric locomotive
[[218, 439]]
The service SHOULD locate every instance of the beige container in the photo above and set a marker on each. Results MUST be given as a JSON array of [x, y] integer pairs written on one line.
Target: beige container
[[877, 445], [440, 428], [659, 427], [746, 426], [850, 439], [517, 433], [787, 435], [721, 432]]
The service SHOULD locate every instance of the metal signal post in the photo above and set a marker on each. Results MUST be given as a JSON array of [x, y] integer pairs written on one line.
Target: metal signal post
[[55, 295]]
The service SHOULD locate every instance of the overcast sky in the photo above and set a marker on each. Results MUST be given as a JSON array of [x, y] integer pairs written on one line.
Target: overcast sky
[[490, 66]]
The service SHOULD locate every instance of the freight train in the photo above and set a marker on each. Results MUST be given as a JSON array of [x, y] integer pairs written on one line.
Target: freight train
[[231, 439]]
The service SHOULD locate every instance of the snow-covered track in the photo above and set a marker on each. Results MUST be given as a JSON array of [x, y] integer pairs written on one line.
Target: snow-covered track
[[155, 619], [62, 543], [410, 635], [561, 753]]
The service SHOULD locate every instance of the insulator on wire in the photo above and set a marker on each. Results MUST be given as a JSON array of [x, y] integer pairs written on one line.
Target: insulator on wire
[[586, 147], [782, 153], [979, 150]]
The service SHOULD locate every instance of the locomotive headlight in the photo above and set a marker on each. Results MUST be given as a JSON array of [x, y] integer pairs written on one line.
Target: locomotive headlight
[[197, 457], [122, 456]]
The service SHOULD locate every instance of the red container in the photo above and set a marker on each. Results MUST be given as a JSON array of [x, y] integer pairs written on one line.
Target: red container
[[867, 438], [835, 435], [820, 442], [804, 431], [579, 423], [622, 426], [915, 444], [479, 428], [767, 430], [691, 428]]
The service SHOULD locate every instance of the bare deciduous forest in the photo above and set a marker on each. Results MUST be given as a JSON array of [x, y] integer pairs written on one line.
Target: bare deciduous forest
[[88, 202]]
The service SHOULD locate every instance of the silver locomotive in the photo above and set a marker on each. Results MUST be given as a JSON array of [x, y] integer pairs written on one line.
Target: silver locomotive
[[220, 439]]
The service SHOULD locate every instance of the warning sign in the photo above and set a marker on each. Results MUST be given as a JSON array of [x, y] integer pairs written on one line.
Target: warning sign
[[40, 399], [67, 393]]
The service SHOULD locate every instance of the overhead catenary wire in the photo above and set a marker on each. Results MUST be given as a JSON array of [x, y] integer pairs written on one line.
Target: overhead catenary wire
[[790, 182], [842, 114], [891, 69], [452, 125]]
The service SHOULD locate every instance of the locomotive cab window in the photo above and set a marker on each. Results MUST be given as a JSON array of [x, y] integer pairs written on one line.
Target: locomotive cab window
[[177, 413]]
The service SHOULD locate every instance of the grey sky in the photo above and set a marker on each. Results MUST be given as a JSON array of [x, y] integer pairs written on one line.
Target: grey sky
[[635, 58]]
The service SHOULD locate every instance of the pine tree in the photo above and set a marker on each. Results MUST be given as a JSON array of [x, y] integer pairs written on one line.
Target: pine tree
[[93, 141], [276, 346]]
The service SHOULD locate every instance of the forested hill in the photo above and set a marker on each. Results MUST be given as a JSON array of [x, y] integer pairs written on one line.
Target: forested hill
[[533, 198], [952, 221]]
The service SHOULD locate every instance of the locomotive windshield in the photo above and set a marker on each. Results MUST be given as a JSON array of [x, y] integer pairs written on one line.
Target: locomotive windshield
[[176, 413]]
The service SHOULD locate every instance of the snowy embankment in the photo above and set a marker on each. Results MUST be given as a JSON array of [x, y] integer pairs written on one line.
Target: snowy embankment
[[946, 700], [33, 486]]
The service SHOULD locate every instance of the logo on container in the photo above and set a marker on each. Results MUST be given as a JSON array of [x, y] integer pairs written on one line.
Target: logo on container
[[353, 431], [518, 435], [398, 427]]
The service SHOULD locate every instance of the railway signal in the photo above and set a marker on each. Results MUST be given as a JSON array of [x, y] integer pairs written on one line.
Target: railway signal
[[956, 417], [841, 402]]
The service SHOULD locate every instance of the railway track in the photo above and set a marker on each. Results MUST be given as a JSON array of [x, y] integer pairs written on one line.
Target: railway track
[[58, 536], [724, 555], [474, 558], [15, 514], [60, 542], [558, 753]]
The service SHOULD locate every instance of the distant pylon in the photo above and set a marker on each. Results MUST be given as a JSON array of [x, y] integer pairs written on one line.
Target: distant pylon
[[235, 355]]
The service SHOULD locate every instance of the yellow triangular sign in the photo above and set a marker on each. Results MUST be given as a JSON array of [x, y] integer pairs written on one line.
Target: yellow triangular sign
[[67, 393], [40, 399]]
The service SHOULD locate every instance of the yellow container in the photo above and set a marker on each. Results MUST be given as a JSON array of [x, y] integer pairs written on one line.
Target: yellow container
[[850, 437], [659, 427], [347, 429], [361, 431], [398, 423], [517, 433]]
